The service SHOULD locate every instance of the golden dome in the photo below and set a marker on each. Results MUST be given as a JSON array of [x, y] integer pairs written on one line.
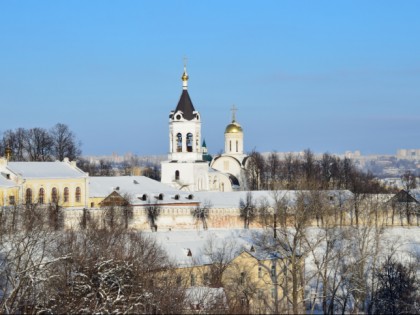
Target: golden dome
[[184, 76], [233, 127]]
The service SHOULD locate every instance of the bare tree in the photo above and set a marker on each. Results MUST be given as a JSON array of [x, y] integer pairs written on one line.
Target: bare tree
[[201, 213], [218, 255], [247, 209], [273, 170], [85, 219], [64, 143], [153, 211], [397, 291], [409, 181], [96, 270], [55, 214], [255, 169], [39, 144], [25, 265], [15, 140], [290, 242]]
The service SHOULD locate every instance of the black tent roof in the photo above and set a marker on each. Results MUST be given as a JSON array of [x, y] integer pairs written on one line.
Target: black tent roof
[[186, 106]]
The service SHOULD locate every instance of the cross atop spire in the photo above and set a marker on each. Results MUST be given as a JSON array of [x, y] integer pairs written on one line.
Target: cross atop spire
[[234, 109]]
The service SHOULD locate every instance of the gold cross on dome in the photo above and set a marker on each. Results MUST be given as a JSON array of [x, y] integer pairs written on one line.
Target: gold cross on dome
[[185, 61], [234, 109]]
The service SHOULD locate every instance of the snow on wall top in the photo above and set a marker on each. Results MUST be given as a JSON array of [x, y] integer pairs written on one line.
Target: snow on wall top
[[233, 199]]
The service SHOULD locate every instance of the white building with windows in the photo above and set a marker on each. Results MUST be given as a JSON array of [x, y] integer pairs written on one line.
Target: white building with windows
[[185, 168], [233, 160]]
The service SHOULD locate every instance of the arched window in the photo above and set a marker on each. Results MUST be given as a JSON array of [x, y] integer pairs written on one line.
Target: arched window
[[189, 142], [179, 142], [230, 145], [176, 175], [54, 196], [236, 145], [66, 194], [41, 196], [28, 196], [78, 194]]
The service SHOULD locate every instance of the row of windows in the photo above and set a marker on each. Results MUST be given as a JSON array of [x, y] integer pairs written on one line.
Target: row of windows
[[54, 195], [193, 279]]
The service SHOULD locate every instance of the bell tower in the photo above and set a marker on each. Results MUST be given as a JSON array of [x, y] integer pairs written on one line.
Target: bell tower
[[185, 168], [185, 128]]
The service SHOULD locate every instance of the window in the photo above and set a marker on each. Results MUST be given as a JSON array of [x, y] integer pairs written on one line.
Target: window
[[54, 197], [78, 194], [206, 278], [178, 280], [189, 142], [192, 279], [242, 278], [176, 175], [273, 271], [11, 200], [92, 204], [41, 196], [66, 194], [178, 142], [28, 196], [260, 272], [236, 145], [230, 145], [260, 294]]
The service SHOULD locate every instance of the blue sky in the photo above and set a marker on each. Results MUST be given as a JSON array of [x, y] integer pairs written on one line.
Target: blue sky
[[325, 75]]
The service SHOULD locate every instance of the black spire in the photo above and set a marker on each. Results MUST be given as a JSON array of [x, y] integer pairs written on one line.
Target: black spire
[[186, 106]]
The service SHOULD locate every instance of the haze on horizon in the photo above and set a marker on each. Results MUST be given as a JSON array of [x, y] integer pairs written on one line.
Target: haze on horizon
[[329, 76]]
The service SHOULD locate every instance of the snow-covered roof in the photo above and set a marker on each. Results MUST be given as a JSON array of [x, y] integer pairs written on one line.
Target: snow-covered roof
[[6, 182], [178, 243], [416, 194], [50, 170], [135, 187]]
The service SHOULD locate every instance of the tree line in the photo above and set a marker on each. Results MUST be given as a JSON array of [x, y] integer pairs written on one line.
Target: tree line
[[305, 172], [40, 144]]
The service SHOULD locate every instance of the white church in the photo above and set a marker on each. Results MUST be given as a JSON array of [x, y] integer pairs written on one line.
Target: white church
[[186, 167]]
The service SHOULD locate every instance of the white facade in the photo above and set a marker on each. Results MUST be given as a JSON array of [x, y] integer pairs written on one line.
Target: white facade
[[185, 168], [233, 159]]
